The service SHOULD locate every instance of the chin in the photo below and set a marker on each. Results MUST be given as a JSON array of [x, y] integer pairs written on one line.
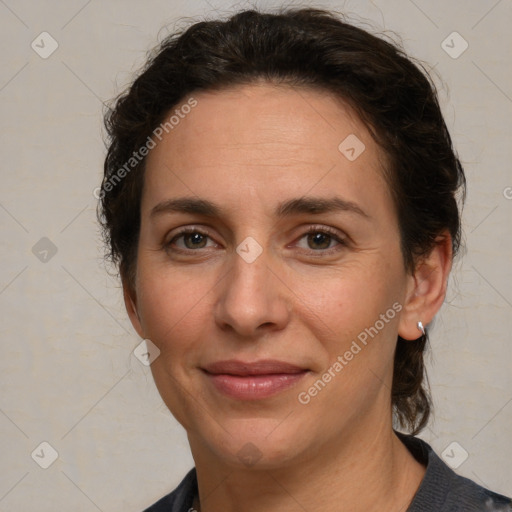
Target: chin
[[256, 444]]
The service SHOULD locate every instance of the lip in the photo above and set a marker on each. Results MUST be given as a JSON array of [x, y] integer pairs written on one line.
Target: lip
[[253, 380]]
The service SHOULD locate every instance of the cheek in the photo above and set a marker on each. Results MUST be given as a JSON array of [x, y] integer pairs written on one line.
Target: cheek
[[173, 309], [342, 304], [353, 321]]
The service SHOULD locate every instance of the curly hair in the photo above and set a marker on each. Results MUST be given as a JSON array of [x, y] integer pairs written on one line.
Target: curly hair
[[392, 94]]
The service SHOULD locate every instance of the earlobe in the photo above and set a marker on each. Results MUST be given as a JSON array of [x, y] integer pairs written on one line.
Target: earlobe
[[130, 302], [427, 289]]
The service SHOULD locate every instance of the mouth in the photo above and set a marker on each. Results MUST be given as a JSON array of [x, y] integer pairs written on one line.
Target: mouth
[[253, 381]]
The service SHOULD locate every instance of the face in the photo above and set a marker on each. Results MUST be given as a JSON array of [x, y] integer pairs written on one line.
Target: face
[[269, 275]]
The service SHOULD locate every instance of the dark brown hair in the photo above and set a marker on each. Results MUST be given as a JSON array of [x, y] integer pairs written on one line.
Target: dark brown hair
[[393, 96]]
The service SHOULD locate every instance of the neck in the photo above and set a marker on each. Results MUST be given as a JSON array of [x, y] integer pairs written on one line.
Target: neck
[[360, 473]]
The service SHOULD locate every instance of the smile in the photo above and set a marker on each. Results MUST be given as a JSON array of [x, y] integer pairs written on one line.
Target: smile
[[253, 381]]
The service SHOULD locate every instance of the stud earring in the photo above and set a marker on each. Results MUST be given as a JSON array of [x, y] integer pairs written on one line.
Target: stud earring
[[421, 328]]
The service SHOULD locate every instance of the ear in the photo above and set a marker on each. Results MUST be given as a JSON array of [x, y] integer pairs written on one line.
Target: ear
[[130, 302], [426, 288]]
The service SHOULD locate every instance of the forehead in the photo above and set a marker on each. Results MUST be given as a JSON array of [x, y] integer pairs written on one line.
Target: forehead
[[264, 141]]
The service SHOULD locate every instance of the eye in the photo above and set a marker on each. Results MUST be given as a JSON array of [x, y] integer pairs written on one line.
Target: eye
[[190, 239], [320, 239]]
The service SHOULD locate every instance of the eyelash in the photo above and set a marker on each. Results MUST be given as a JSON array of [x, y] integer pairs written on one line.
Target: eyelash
[[181, 233], [325, 230], [332, 233]]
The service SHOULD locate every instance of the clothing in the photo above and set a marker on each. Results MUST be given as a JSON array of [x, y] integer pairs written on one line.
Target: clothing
[[441, 489]]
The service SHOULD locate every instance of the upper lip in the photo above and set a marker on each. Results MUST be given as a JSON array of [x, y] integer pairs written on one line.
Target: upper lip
[[242, 368]]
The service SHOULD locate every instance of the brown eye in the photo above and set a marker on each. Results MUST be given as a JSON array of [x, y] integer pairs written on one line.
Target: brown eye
[[319, 240], [190, 240], [194, 240]]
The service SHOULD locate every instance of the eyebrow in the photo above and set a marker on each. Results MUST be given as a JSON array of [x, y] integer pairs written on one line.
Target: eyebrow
[[316, 205], [186, 205], [301, 205]]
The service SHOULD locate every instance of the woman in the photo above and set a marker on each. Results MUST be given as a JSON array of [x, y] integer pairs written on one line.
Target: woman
[[280, 195]]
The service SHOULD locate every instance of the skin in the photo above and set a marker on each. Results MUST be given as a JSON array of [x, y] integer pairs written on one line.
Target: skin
[[248, 149]]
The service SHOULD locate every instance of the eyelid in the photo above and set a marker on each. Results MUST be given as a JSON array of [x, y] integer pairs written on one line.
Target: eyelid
[[178, 232], [340, 238], [337, 235], [325, 229]]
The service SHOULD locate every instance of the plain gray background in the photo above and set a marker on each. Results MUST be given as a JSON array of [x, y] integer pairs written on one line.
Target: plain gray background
[[68, 375]]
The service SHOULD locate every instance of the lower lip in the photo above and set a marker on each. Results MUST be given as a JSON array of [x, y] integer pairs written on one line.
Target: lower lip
[[254, 387]]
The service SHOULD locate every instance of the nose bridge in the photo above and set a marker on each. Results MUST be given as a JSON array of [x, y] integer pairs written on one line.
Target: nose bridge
[[251, 296]]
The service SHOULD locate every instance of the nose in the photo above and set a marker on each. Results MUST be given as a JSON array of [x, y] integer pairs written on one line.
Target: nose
[[252, 298]]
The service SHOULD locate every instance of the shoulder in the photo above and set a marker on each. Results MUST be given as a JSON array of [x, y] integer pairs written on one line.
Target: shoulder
[[442, 490], [179, 500]]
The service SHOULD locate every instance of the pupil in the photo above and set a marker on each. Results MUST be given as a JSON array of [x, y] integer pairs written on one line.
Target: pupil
[[194, 240], [319, 240]]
